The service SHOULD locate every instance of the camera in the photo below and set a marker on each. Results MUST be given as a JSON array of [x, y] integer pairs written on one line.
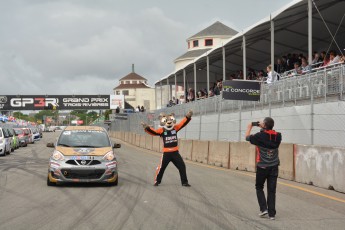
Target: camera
[[256, 123], [3, 99]]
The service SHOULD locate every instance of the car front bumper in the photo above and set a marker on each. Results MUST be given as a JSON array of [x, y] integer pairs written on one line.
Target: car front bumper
[[95, 170]]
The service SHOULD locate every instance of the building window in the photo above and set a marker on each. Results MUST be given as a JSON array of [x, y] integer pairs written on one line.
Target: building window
[[195, 43], [128, 82], [125, 92], [134, 82], [208, 42], [188, 45], [122, 82], [117, 92]]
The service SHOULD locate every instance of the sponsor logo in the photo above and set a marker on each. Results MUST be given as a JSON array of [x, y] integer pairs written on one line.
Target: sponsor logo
[[84, 150], [38, 102], [83, 162], [3, 99]]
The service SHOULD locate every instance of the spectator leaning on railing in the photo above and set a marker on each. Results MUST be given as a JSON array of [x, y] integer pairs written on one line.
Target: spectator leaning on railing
[[272, 76]]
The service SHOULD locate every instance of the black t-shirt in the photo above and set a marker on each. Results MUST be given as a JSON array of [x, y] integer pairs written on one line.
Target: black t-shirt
[[267, 142]]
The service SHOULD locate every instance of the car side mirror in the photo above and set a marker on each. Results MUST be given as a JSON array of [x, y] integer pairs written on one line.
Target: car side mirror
[[116, 146], [50, 145]]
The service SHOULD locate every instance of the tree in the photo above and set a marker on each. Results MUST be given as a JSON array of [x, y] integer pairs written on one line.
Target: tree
[[106, 114]]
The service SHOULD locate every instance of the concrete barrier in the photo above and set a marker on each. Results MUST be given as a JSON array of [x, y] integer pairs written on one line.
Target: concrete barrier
[[156, 143], [143, 141], [219, 154], [200, 151], [242, 156], [185, 148], [133, 139], [148, 142], [126, 136], [286, 157], [137, 139], [320, 166]]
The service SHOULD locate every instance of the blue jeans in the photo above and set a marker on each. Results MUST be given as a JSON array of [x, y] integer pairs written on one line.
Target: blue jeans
[[271, 175]]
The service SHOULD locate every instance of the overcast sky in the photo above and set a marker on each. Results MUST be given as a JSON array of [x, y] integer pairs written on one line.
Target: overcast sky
[[86, 46]]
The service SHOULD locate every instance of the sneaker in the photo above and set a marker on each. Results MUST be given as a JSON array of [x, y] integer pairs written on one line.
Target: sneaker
[[271, 218], [186, 185], [156, 184], [263, 214]]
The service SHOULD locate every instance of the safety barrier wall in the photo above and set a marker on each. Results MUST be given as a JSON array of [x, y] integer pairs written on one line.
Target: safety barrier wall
[[320, 166]]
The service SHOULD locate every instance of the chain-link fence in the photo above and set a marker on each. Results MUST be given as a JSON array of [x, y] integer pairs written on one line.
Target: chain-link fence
[[307, 109]]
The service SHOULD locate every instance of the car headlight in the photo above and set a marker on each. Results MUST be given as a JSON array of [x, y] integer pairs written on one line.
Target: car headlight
[[109, 156], [57, 156]]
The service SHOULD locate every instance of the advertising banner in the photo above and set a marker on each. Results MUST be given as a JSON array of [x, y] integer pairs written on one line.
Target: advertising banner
[[241, 90], [59, 102], [117, 101]]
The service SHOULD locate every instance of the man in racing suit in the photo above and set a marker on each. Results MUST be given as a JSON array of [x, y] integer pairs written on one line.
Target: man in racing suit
[[168, 132], [267, 142]]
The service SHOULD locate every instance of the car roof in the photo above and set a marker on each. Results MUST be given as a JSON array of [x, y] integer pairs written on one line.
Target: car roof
[[96, 128]]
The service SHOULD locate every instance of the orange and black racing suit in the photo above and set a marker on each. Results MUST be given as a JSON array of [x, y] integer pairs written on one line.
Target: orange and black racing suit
[[170, 150]]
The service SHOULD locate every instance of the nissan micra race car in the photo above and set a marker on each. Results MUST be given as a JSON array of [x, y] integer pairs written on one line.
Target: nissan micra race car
[[83, 154]]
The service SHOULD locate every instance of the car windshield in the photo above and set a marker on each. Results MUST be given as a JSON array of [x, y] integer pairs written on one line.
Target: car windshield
[[84, 139], [18, 131]]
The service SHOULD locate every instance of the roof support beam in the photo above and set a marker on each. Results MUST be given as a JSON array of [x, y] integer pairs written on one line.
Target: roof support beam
[[272, 44], [224, 67], [310, 32], [208, 72], [244, 58], [195, 81], [184, 85]]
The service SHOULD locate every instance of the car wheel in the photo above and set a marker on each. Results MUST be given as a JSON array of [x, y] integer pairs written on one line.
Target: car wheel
[[12, 149], [49, 183]]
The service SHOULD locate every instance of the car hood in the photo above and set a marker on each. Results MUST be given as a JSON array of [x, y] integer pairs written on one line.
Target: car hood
[[75, 151]]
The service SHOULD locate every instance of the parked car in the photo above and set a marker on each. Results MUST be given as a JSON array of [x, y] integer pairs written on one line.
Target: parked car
[[10, 139], [28, 133], [22, 138], [15, 143], [5, 147], [36, 135], [83, 154]]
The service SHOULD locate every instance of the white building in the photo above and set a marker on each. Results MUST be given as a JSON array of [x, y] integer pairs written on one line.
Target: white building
[[207, 39], [136, 91]]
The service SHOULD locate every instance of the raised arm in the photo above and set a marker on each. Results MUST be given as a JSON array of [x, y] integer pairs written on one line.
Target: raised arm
[[151, 131], [184, 121]]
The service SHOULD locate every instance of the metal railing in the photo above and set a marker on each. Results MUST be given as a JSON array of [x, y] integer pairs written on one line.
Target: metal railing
[[213, 114]]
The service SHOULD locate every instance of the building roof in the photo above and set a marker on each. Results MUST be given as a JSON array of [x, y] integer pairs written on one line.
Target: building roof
[[215, 29], [132, 86], [133, 76], [193, 54]]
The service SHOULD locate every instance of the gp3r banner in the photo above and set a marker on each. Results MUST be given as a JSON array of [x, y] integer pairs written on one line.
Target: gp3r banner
[[59, 102], [241, 90]]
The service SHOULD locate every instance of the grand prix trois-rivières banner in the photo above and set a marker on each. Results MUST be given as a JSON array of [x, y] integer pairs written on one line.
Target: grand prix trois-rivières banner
[[60, 102]]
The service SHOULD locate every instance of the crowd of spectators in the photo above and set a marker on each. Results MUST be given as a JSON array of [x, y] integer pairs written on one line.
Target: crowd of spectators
[[286, 66]]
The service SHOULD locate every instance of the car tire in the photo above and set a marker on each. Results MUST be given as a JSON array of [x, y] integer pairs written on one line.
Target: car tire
[[49, 183]]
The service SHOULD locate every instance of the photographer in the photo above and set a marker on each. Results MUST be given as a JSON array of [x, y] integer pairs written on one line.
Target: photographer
[[267, 142]]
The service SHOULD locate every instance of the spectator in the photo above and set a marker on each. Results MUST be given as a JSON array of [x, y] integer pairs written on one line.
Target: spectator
[[305, 68], [272, 76], [333, 58], [296, 70], [316, 60], [142, 109], [137, 109], [191, 94], [325, 61], [279, 68]]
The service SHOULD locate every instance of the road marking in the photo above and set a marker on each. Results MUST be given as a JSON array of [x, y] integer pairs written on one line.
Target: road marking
[[247, 174]]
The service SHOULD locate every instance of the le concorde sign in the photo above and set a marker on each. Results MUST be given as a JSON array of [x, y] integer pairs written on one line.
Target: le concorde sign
[[241, 90], [61, 102]]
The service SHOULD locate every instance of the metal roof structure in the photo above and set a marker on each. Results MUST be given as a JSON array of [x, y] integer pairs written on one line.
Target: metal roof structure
[[256, 47]]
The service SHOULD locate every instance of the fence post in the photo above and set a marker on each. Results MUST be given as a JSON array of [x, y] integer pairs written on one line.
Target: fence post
[[239, 120], [311, 111]]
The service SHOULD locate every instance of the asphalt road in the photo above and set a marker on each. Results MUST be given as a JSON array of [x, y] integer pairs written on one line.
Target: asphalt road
[[218, 198]]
